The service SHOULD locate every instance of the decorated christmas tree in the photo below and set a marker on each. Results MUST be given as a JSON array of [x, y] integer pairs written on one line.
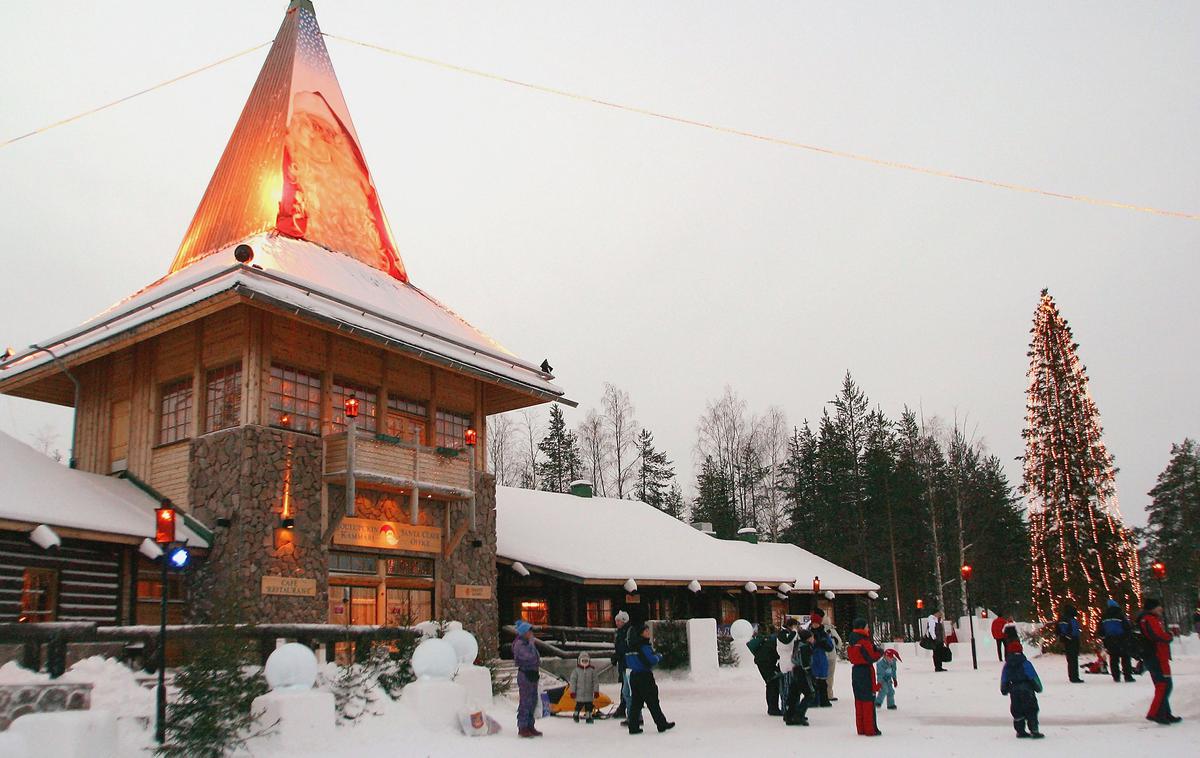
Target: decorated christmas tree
[[1082, 553]]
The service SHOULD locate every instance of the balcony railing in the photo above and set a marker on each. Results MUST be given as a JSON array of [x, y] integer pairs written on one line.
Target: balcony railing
[[391, 463]]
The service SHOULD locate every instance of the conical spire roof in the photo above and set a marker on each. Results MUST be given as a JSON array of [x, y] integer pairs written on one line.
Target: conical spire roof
[[293, 164]]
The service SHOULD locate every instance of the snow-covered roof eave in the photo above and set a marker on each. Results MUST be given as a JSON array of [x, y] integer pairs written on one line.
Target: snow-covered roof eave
[[272, 280]]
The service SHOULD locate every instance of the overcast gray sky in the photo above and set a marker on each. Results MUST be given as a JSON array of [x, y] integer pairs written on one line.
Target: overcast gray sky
[[667, 259]]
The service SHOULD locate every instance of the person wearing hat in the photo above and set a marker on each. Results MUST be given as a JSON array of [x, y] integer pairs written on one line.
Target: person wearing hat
[[1157, 658], [585, 686], [1021, 683], [885, 674], [620, 647], [822, 647], [529, 663], [1116, 632], [765, 649], [998, 625], [1070, 635], [643, 690], [863, 654], [800, 690]]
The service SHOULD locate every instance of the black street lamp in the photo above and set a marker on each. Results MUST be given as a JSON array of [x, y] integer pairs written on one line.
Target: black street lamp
[[173, 556], [966, 572]]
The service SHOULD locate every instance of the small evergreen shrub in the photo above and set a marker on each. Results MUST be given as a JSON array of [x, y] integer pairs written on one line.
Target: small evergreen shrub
[[726, 655], [670, 642]]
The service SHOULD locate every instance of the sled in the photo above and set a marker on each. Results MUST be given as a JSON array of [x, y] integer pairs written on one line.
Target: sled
[[566, 704]]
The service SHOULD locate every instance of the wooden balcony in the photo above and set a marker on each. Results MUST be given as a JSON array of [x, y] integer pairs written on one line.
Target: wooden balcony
[[390, 464]]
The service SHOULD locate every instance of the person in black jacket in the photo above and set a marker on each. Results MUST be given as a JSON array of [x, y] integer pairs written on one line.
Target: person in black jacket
[[766, 659], [801, 692], [621, 645], [1069, 634], [1117, 634]]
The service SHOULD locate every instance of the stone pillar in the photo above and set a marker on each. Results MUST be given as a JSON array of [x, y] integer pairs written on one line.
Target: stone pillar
[[241, 474], [474, 565]]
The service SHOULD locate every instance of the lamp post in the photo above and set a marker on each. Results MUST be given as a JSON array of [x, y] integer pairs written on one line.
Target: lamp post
[[966, 572], [917, 620], [350, 407], [164, 535], [1158, 570]]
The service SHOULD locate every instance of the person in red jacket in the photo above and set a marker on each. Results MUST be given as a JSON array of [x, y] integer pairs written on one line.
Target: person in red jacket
[[1157, 658], [863, 653], [998, 633]]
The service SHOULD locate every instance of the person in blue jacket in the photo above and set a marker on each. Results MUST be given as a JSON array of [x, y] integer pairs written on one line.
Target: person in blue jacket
[[1020, 682], [1069, 634], [1117, 633], [822, 646], [641, 660]]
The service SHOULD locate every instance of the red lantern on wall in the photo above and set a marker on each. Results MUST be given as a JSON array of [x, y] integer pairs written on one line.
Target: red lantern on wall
[[470, 436], [966, 572], [816, 585], [352, 407], [164, 523], [1159, 570], [920, 604]]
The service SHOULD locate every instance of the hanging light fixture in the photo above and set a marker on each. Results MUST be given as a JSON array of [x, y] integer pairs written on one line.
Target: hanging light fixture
[[470, 436], [351, 407]]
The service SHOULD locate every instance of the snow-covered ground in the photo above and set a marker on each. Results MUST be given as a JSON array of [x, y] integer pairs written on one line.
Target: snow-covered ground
[[957, 713]]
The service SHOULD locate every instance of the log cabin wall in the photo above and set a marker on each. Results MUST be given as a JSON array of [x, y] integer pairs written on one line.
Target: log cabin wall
[[119, 420]]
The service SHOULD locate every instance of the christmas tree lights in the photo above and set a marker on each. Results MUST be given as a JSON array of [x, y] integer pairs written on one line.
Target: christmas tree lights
[[1082, 553]]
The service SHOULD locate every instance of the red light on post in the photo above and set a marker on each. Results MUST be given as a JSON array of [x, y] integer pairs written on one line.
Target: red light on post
[[352, 407], [1159, 570], [966, 572], [470, 436], [816, 584], [920, 604], [164, 523]]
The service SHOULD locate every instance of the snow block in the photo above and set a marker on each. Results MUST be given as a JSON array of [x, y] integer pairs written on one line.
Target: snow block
[[69, 734], [436, 702], [477, 681], [301, 718], [15, 746], [702, 646]]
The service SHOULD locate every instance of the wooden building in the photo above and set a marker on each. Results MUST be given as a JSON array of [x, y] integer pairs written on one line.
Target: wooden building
[[575, 560], [225, 385]]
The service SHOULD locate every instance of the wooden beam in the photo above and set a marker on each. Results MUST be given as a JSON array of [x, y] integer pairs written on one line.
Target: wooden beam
[[452, 543]]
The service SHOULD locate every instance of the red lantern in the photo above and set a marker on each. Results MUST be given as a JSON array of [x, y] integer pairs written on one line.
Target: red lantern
[[164, 523], [966, 572], [1159, 570], [470, 436], [816, 585], [352, 407], [920, 604], [285, 420], [983, 613]]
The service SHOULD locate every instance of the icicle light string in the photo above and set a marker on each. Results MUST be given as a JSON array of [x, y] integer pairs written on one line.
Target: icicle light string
[[126, 98], [861, 158]]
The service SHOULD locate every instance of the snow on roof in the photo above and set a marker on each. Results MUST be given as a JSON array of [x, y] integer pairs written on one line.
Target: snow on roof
[[306, 277], [37, 490], [558, 532]]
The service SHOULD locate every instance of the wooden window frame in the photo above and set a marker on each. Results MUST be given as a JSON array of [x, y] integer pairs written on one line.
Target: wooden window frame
[[175, 424], [218, 383], [368, 405], [27, 589], [305, 410], [603, 617], [450, 426]]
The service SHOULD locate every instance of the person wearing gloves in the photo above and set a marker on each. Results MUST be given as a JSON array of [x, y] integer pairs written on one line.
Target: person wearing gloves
[[1020, 682], [1069, 635], [836, 639], [885, 674], [621, 646], [585, 686], [643, 690], [1117, 633], [528, 662], [863, 654], [822, 645]]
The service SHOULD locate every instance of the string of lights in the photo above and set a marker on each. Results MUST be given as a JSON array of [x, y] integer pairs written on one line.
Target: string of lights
[[783, 142], [126, 98]]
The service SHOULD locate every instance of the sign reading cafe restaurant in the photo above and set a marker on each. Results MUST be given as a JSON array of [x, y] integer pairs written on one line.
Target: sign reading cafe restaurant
[[388, 535]]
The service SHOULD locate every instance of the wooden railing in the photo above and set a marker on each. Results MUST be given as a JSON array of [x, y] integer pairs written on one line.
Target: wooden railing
[[390, 462]]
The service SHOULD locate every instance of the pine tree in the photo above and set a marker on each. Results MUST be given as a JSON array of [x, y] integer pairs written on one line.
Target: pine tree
[[654, 471], [211, 716], [561, 460], [714, 500], [673, 504], [1081, 552], [1173, 528]]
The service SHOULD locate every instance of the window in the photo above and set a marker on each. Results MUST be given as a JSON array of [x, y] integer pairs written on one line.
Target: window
[[729, 611], [368, 400], [175, 412], [600, 613], [659, 608], [406, 419], [418, 567], [536, 612], [779, 612], [149, 587], [39, 595], [408, 607], [353, 563], [295, 399], [223, 397], [450, 429]]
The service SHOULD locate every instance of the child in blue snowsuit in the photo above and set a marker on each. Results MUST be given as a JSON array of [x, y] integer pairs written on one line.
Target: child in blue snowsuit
[[1021, 683], [885, 674]]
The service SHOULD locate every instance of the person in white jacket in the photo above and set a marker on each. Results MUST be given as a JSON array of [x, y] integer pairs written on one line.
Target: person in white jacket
[[935, 631], [785, 643], [833, 659]]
